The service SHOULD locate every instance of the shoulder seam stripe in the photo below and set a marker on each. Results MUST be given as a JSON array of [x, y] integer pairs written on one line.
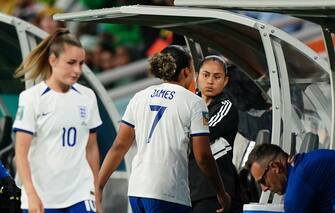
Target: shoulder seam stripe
[[222, 113], [213, 118]]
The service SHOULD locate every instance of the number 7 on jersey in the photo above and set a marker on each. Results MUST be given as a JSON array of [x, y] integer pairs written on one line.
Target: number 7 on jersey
[[160, 111]]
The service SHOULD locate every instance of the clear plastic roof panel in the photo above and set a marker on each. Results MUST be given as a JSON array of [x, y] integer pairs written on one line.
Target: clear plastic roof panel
[[242, 40], [235, 36], [240, 44], [301, 67], [320, 12], [310, 92]]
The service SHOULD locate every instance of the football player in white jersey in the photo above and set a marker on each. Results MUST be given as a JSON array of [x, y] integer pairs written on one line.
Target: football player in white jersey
[[57, 155], [164, 120]]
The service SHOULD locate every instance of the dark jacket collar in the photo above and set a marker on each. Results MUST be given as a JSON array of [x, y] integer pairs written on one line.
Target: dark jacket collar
[[220, 97]]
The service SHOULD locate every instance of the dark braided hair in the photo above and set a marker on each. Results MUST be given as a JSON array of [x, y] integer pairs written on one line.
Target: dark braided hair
[[169, 62]]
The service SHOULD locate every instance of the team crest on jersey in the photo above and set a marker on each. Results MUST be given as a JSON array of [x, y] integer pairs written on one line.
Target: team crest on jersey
[[205, 118], [19, 114], [83, 111]]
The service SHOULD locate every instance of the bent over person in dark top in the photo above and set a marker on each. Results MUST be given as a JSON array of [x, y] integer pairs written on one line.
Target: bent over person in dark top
[[306, 179], [223, 124]]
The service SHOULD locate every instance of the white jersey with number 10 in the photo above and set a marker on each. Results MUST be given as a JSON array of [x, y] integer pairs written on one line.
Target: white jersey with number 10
[[60, 124]]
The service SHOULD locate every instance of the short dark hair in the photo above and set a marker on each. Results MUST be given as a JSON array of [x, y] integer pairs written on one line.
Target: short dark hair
[[262, 153]]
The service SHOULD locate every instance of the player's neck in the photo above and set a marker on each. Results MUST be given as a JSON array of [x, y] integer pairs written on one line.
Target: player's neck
[[207, 99], [177, 83], [58, 87]]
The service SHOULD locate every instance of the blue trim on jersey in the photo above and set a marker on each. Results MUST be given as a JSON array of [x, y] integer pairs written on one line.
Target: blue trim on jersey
[[93, 130], [46, 90], [129, 124], [3, 171], [72, 87], [23, 130], [142, 205], [200, 134], [87, 206]]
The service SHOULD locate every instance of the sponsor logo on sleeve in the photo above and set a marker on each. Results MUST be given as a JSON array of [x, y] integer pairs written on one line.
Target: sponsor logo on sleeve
[[19, 113], [205, 118]]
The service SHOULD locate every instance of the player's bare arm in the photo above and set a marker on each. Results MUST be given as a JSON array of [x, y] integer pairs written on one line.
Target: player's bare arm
[[121, 145], [23, 142], [203, 156]]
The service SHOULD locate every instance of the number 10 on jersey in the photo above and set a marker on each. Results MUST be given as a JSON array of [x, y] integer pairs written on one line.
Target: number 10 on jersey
[[69, 137]]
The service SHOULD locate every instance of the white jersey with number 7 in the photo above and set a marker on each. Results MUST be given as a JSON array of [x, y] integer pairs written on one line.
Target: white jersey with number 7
[[164, 116]]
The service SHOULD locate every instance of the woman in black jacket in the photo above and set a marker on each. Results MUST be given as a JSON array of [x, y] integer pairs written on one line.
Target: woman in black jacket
[[223, 124]]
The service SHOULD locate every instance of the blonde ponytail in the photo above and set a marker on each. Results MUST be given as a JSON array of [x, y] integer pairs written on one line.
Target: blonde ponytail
[[37, 62]]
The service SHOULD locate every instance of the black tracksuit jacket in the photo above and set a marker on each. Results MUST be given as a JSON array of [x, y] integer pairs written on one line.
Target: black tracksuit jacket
[[223, 122]]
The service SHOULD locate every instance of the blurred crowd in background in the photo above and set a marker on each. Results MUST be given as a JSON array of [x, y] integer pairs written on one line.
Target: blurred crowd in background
[[111, 45], [107, 45]]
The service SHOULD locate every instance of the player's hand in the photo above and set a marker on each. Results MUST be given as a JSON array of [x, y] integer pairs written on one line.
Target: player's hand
[[225, 201], [35, 204], [99, 207]]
